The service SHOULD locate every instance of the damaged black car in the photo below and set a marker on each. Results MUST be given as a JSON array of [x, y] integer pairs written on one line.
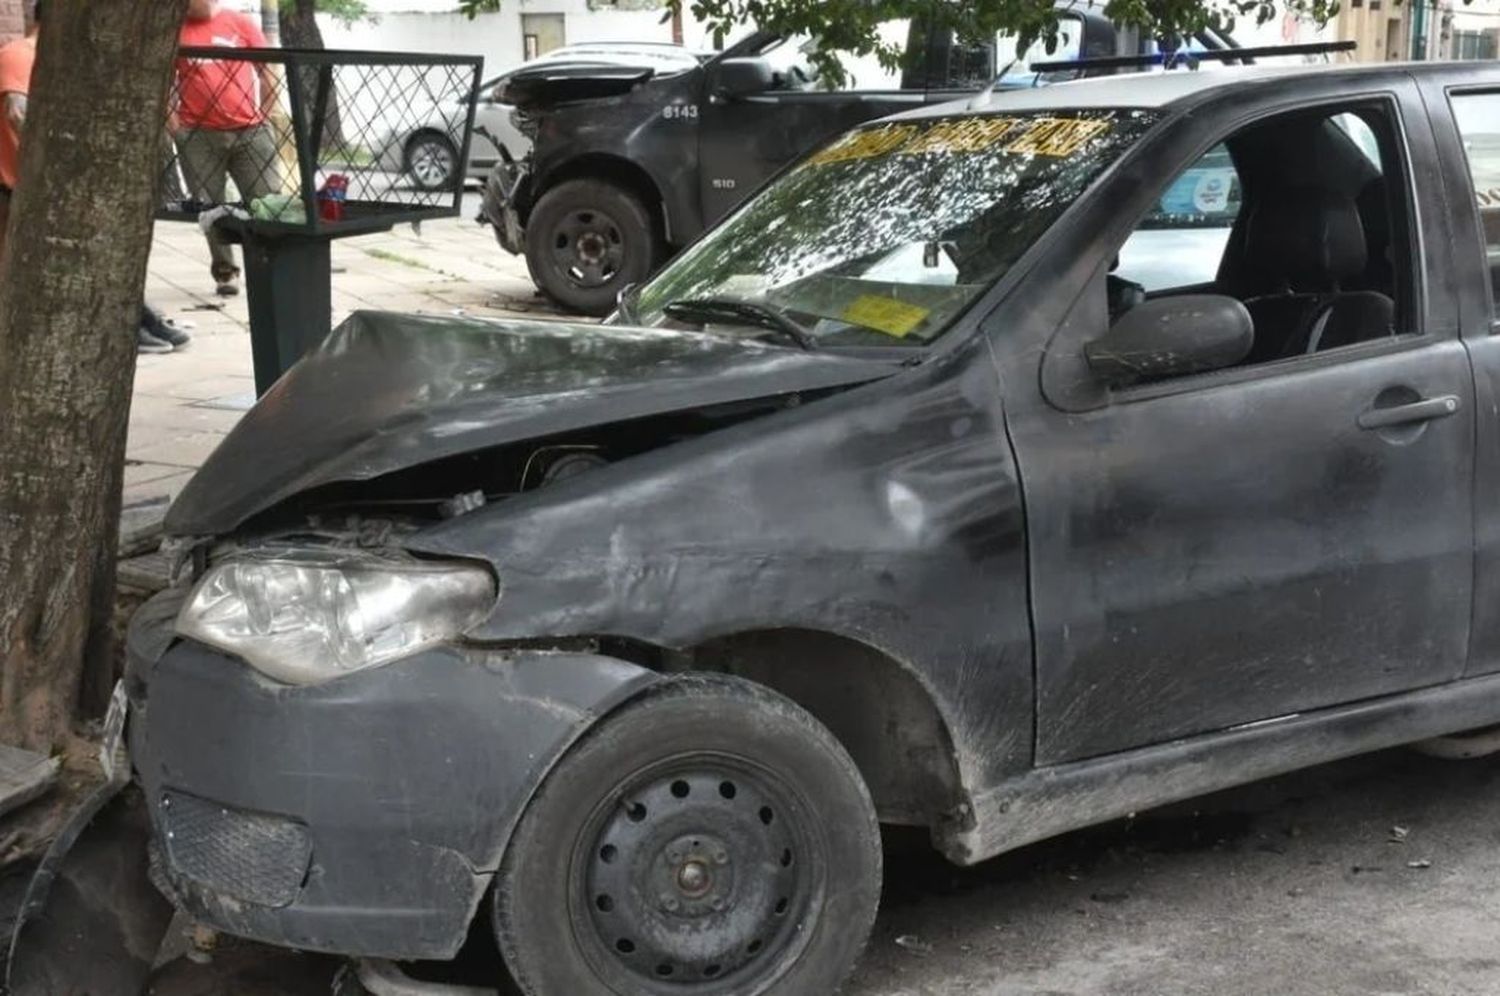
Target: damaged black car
[[1003, 468]]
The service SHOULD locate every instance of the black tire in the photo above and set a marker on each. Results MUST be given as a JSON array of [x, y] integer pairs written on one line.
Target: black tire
[[587, 240], [431, 162], [710, 839]]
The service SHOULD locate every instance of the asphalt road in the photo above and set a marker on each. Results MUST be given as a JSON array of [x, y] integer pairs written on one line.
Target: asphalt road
[[1374, 876]]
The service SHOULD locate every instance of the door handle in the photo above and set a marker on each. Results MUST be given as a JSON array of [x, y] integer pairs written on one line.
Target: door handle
[[1417, 411]]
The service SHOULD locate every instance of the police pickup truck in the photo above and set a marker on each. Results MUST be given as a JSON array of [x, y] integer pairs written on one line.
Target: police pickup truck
[[948, 482], [628, 165]]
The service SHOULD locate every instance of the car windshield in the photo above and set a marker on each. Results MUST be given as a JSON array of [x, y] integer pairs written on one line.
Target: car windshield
[[887, 235]]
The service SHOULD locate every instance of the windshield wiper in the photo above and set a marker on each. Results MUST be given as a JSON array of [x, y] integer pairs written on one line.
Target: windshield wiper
[[736, 311]]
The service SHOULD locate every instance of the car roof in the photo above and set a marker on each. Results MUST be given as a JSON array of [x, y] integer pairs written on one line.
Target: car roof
[[1165, 90], [656, 50]]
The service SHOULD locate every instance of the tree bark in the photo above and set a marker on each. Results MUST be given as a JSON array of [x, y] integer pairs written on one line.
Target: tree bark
[[71, 284], [299, 25], [299, 29]]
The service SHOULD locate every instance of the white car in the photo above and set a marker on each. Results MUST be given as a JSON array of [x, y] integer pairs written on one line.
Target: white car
[[424, 147]]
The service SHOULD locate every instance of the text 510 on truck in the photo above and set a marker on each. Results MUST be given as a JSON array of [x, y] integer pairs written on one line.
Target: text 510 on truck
[[917, 492]]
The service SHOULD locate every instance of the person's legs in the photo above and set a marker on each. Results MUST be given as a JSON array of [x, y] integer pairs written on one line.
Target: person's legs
[[204, 158], [254, 163]]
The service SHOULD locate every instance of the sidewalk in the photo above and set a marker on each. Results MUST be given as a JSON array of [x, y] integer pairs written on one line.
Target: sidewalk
[[186, 401]]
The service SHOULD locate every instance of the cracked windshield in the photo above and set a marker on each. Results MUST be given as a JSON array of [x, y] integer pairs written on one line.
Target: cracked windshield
[[887, 235]]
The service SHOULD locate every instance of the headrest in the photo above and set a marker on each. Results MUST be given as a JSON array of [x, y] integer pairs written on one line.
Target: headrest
[[1307, 236]]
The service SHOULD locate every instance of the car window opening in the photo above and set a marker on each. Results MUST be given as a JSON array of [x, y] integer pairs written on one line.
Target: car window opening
[[1304, 219]]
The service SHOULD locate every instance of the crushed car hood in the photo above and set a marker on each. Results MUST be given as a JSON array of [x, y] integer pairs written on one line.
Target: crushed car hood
[[548, 85], [386, 392]]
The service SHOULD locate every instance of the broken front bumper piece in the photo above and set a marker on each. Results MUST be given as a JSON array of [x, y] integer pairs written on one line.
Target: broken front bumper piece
[[365, 816], [509, 184]]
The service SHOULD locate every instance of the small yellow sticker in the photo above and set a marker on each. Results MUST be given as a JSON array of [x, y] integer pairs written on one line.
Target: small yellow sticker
[[1057, 136], [885, 314]]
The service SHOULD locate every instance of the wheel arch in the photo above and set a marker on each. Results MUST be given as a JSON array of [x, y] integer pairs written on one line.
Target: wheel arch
[[605, 168], [877, 706]]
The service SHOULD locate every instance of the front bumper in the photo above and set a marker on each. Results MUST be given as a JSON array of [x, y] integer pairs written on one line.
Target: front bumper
[[363, 817], [505, 192]]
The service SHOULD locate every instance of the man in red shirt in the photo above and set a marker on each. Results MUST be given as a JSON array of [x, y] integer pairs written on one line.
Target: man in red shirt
[[16, 60], [219, 120]]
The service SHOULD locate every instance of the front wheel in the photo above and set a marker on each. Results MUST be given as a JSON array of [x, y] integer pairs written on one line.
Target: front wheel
[[712, 839], [587, 240]]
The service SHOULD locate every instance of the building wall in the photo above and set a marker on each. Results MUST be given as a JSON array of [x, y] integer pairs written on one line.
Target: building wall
[[1382, 30], [12, 19], [436, 28]]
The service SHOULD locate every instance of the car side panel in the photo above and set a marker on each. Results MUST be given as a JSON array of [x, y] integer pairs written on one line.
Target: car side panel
[[888, 515]]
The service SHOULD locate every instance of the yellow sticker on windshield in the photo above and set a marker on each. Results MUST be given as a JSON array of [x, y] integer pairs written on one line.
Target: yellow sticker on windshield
[[866, 144], [885, 314], [1057, 136], [961, 135]]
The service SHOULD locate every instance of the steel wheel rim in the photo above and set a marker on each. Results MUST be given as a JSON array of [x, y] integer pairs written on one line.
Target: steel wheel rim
[[431, 163], [588, 247], [696, 878]]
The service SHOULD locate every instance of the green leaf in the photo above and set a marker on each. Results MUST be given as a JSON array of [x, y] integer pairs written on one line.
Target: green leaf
[[851, 27]]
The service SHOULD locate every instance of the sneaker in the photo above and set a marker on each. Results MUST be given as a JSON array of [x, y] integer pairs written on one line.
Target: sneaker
[[164, 330], [145, 342], [227, 288]]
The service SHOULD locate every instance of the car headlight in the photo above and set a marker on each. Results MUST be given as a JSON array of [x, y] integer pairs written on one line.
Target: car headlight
[[305, 619]]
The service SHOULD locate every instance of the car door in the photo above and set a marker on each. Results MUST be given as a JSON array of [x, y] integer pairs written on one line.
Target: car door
[[1229, 548], [744, 139], [1466, 117]]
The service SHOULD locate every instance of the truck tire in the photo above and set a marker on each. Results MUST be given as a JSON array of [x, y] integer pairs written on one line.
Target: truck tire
[[710, 838], [587, 240]]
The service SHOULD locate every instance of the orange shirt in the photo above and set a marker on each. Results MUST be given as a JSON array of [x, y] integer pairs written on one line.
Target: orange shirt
[[219, 94], [16, 60]]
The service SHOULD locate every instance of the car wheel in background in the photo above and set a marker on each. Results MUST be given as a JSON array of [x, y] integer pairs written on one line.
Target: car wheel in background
[[587, 240], [431, 161], [711, 838]]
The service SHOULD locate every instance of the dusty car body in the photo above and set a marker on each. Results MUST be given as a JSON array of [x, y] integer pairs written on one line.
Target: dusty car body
[[1019, 546]]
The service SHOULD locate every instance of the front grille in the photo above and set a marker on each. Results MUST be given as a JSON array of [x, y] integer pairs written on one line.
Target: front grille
[[250, 856]]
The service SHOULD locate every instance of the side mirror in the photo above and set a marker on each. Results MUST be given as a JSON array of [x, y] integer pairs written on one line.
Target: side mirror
[[1171, 336], [742, 76]]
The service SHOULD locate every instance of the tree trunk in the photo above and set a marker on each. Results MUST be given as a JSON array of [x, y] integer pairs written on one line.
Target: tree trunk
[[299, 29], [71, 284]]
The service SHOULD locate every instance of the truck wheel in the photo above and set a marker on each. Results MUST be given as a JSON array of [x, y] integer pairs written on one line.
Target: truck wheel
[[586, 240], [711, 838]]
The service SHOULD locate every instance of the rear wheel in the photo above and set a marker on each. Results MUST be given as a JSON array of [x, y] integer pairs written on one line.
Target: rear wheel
[[711, 839], [587, 240]]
